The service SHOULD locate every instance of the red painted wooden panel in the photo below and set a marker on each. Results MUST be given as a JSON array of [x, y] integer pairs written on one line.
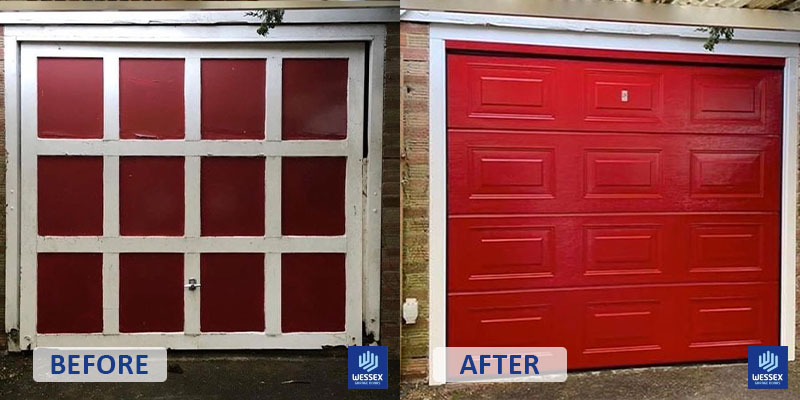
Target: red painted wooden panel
[[151, 99], [314, 99], [70, 195], [494, 172], [312, 292], [70, 98], [313, 195], [622, 325], [232, 297], [232, 196], [69, 293], [628, 212], [151, 196], [578, 95], [151, 292], [233, 99]]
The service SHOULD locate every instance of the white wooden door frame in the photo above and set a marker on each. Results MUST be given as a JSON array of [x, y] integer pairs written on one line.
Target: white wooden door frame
[[363, 45], [596, 35]]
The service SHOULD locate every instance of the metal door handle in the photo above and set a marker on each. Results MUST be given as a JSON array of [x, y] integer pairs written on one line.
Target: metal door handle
[[192, 285]]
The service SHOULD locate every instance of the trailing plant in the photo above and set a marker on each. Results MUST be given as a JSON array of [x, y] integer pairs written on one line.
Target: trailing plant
[[715, 33], [270, 18]]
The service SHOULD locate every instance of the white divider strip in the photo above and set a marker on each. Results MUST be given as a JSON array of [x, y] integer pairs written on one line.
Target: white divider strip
[[191, 298], [272, 293], [110, 293], [192, 98]]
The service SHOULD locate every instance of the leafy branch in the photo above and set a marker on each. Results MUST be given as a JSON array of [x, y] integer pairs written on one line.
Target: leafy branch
[[270, 18], [715, 33]]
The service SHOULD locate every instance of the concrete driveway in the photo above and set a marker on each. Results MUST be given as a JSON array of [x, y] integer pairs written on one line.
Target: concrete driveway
[[239, 375], [720, 381]]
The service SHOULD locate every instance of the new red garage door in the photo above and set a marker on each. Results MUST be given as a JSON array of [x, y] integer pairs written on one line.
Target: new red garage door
[[628, 211]]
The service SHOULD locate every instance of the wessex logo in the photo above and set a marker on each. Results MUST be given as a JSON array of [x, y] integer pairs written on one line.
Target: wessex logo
[[768, 361], [368, 361], [767, 367], [367, 367]]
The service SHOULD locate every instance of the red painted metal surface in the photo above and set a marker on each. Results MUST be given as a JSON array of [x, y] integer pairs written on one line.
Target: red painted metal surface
[[70, 98], [312, 196], [526, 93], [584, 53], [70, 195], [312, 292], [314, 99], [151, 196], [233, 99], [232, 297], [629, 212], [232, 196], [151, 99], [69, 293], [151, 292]]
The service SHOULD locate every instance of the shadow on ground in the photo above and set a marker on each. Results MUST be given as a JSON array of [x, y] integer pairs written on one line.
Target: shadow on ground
[[720, 381], [202, 375]]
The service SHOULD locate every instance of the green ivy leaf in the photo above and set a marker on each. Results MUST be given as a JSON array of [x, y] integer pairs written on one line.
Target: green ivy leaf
[[715, 34], [270, 18]]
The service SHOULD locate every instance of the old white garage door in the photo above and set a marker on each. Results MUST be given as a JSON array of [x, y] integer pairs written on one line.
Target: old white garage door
[[191, 196]]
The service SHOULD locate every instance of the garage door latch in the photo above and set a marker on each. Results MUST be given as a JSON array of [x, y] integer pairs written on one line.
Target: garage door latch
[[192, 285]]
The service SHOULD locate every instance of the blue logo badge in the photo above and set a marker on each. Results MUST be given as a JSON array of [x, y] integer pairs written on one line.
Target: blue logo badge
[[367, 367], [767, 367]]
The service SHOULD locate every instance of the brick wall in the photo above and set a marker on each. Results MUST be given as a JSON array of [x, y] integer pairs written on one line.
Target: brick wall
[[390, 215], [414, 137]]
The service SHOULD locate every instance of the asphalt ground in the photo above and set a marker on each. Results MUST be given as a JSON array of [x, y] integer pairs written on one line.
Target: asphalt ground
[[210, 375]]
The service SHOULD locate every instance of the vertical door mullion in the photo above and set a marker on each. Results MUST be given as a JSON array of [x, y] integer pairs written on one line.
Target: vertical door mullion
[[111, 194], [354, 202], [272, 195], [191, 261], [29, 218]]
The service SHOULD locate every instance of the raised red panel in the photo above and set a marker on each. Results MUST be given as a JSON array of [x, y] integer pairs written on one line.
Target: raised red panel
[[314, 99], [618, 173], [623, 249], [480, 320], [312, 292], [728, 97], [497, 172], [625, 95], [728, 247], [232, 297], [497, 255], [622, 326], [69, 293], [151, 196], [70, 98], [313, 195], [151, 292], [151, 99], [233, 99], [628, 211], [726, 174], [501, 90], [70, 196], [232, 196], [521, 91]]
